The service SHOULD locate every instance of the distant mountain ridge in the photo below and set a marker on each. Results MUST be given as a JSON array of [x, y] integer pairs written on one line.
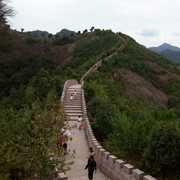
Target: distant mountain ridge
[[63, 32], [38, 33], [168, 51]]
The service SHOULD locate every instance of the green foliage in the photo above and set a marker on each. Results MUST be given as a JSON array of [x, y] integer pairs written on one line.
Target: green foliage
[[102, 113], [59, 41], [19, 72], [89, 51], [31, 118], [162, 154], [5, 40], [31, 41], [125, 140], [28, 139]]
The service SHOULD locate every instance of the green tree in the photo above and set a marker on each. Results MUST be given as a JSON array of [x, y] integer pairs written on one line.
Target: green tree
[[28, 140], [162, 154], [92, 28], [85, 31], [102, 124]]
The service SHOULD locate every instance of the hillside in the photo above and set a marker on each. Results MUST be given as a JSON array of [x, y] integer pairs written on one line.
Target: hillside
[[16, 45], [134, 90]]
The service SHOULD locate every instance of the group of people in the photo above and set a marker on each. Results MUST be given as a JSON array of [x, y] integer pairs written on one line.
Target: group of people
[[64, 137], [91, 164]]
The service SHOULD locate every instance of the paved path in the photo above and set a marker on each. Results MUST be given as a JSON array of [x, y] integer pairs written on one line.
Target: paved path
[[79, 143]]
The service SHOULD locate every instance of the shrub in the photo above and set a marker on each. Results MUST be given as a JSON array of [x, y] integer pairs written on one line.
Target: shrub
[[163, 151]]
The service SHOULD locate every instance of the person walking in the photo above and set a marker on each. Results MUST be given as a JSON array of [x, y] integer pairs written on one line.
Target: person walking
[[75, 94], [91, 166], [91, 152], [79, 122], [71, 98]]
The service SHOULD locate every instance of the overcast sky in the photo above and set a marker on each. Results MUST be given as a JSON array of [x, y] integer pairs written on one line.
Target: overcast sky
[[149, 22]]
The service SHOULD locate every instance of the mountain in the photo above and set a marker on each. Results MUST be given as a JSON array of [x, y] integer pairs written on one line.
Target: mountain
[[38, 33], [65, 32], [168, 51], [171, 55], [163, 47]]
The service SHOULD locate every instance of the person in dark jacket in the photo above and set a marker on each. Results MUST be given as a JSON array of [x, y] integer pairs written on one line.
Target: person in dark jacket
[[91, 165]]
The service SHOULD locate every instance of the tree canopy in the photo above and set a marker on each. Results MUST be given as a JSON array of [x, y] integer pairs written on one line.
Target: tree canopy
[[5, 11]]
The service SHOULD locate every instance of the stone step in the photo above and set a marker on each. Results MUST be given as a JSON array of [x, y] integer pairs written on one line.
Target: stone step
[[74, 118], [74, 114], [70, 107], [74, 100], [73, 111], [73, 104]]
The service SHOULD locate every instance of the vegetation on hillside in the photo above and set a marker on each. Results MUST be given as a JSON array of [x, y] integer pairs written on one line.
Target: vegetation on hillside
[[31, 118], [92, 48], [133, 91], [119, 109]]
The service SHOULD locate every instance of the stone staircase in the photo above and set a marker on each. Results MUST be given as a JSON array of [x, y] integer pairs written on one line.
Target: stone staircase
[[74, 108], [79, 143]]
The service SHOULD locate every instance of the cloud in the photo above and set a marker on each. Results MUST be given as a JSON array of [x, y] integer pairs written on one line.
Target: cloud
[[175, 34], [148, 32]]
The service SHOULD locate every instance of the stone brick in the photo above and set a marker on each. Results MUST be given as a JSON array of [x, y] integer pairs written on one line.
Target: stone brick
[[128, 168], [148, 177], [137, 174], [62, 176]]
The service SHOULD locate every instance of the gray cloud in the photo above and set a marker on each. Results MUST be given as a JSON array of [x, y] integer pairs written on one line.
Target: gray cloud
[[149, 32]]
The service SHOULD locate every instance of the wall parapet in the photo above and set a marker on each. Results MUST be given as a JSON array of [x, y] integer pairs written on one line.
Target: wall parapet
[[110, 165]]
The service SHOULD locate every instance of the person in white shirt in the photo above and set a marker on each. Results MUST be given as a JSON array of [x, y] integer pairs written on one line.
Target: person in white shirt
[[79, 122], [71, 98]]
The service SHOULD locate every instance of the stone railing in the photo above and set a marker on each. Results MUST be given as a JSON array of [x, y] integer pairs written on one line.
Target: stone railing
[[110, 165], [91, 69]]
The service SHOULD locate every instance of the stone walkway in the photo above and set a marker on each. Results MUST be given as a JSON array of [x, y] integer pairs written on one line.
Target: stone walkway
[[79, 142]]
